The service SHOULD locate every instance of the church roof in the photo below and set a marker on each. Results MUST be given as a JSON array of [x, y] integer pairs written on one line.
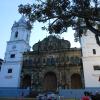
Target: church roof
[[22, 23], [51, 43]]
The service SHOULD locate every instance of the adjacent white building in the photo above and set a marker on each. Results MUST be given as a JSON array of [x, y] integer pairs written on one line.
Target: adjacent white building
[[91, 59], [16, 46]]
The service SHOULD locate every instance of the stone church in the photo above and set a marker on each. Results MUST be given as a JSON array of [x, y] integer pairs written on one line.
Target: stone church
[[52, 65]]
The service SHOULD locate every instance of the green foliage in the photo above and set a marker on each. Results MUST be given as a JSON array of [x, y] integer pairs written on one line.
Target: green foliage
[[78, 14], [25, 9]]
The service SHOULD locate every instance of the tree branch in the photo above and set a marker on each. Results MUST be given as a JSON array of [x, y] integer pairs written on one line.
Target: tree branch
[[91, 28]]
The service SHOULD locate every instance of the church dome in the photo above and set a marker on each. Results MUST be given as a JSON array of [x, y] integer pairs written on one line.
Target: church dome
[[51, 43], [22, 23]]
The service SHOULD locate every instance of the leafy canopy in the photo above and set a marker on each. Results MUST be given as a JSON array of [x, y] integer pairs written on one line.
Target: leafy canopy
[[61, 14]]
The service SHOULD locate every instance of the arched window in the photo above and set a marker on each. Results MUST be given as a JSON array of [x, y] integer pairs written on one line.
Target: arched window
[[16, 34]]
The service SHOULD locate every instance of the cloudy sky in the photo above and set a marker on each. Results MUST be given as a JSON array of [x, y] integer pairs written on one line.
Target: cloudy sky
[[9, 14]]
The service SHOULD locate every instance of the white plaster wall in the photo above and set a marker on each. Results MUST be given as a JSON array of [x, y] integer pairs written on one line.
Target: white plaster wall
[[91, 76], [10, 79], [22, 34], [21, 47]]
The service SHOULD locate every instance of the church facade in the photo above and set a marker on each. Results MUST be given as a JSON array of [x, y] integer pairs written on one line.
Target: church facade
[[52, 65]]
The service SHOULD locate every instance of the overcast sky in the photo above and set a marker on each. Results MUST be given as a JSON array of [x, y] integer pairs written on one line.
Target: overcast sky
[[9, 14]]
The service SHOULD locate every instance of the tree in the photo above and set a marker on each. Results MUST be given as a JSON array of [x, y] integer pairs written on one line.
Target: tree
[[61, 14]]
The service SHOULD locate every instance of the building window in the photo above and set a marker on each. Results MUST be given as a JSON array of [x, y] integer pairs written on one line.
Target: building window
[[12, 56], [16, 34], [10, 70], [94, 51], [96, 67]]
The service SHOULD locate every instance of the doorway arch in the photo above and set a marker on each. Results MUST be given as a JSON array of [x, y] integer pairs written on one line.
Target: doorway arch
[[50, 82], [76, 82]]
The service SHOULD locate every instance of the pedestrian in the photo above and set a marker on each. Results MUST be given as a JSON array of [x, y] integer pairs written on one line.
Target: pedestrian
[[86, 96], [97, 96], [22, 95], [92, 96]]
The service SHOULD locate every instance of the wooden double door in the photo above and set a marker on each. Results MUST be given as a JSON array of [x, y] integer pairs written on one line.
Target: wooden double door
[[50, 82]]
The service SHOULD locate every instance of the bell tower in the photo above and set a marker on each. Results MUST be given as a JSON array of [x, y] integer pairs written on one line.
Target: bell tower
[[16, 46]]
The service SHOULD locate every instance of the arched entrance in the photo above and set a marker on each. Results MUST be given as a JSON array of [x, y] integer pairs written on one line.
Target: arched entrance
[[26, 81], [76, 82], [50, 82]]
